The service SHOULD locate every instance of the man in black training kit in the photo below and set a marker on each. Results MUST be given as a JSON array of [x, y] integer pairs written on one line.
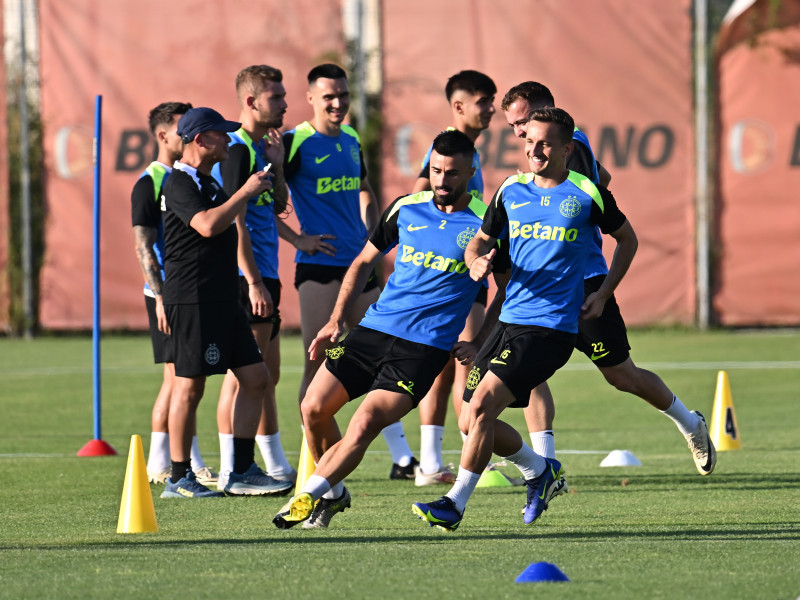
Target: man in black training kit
[[210, 331]]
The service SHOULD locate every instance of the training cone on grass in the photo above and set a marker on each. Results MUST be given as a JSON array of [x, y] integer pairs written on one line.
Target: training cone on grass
[[540, 572], [493, 478], [724, 430], [306, 466], [136, 511], [621, 458]]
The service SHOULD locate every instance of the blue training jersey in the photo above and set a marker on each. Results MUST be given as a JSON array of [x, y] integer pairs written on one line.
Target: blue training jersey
[[260, 217], [550, 234], [429, 295], [324, 175]]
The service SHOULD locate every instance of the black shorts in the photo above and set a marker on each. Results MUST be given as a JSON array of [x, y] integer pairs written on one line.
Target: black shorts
[[162, 352], [274, 288], [483, 297], [210, 338], [522, 356], [604, 339], [371, 360], [326, 274]]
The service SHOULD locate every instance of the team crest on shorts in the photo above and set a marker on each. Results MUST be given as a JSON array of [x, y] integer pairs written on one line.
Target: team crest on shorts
[[474, 378], [212, 354], [571, 207], [464, 237], [334, 353]]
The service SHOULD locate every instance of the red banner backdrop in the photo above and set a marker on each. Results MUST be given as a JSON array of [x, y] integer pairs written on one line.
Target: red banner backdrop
[[623, 70], [758, 219], [137, 55]]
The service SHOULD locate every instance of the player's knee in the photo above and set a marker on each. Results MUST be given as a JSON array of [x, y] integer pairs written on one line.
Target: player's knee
[[362, 430]]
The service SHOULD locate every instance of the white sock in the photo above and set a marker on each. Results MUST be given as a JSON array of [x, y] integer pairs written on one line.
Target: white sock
[[463, 487], [197, 458], [158, 459], [544, 443], [430, 448], [528, 462], [225, 452], [686, 421], [398, 445], [274, 457], [316, 486], [335, 492]]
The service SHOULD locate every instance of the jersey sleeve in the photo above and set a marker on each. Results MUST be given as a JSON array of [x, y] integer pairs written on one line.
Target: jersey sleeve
[[183, 197], [145, 207], [386, 234], [608, 217], [292, 166], [236, 169], [495, 221]]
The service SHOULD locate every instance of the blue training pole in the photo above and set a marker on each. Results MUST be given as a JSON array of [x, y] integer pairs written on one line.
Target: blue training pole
[[98, 109]]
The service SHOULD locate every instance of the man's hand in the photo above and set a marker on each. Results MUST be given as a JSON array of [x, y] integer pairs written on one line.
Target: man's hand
[[593, 306], [273, 148], [326, 338], [260, 299], [464, 352], [161, 316], [258, 183], [311, 244], [481, 267]]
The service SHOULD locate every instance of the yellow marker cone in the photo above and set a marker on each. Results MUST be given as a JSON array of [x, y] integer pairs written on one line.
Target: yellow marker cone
[[136, 511], [493, 478], [724, 430], [306, 466]]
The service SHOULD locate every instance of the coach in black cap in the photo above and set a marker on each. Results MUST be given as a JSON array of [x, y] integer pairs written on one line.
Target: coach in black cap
[[209, 329]]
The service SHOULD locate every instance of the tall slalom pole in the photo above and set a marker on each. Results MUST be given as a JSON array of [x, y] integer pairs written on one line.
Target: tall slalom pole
[[96, 447]]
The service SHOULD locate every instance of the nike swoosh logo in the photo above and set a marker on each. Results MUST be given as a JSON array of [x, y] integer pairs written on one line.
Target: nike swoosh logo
[[544, 491], [497, 361], [599, 356], [515, 205], [412, 228], [320, 159]]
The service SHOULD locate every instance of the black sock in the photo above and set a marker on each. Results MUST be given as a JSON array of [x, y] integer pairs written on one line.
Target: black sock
[[179, 469], [243, 454]]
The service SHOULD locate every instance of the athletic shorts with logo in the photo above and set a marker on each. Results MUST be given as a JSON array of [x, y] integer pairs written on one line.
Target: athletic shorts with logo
[[274, 288], [522, 357], [372, 360], [211, 337], [604, 339], [162, 351]]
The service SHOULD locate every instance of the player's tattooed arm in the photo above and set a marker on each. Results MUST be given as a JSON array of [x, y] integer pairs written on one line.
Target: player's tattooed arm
[[145, 238]]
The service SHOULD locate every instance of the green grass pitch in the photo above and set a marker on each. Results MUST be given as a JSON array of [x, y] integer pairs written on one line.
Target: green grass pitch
[[655, 531]]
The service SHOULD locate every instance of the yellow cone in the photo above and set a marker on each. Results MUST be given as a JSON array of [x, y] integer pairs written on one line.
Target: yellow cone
[[724, 429], [493, 478], [306, 466], [136, 511]]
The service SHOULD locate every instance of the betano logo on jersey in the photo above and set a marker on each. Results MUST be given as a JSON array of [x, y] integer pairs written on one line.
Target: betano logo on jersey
[[537, 231], [429, 260], [325, 185]]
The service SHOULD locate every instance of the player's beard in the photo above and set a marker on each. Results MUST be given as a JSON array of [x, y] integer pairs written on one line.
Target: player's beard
[[452, 197]]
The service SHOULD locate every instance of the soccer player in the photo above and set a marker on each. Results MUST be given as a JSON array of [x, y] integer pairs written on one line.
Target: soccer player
[[210, 332], [404, 339], [471, 97], [337, 210], [148, 232], [548, 217], [257, 144], [604, 340]]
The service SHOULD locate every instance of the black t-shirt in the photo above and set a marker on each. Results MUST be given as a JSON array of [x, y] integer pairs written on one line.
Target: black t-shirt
[[145, 207], [198, 269]]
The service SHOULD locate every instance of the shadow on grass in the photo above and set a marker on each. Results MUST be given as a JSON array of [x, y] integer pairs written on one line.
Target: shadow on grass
[[747, 532]]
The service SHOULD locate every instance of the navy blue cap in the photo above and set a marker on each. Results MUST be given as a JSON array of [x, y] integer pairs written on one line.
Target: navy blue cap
[[198, 120]]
